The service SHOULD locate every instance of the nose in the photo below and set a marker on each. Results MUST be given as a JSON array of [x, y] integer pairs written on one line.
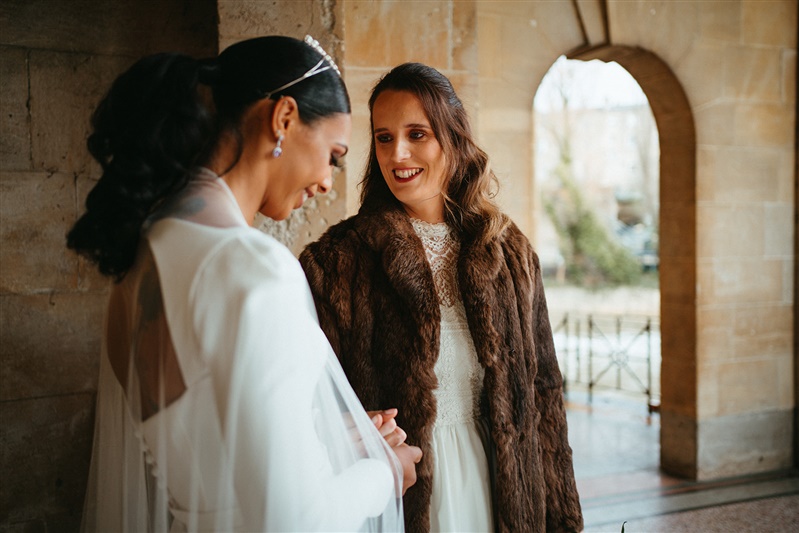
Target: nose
[[400, 151], [326, 184]]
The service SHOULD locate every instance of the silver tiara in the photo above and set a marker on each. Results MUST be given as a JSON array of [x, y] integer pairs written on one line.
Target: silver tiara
[[316, 69], [313, 43]]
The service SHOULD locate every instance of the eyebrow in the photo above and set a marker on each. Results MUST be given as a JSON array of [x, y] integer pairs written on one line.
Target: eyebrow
[[411, 125]]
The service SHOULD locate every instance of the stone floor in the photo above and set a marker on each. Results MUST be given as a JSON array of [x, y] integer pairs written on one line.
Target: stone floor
[[616, 452]]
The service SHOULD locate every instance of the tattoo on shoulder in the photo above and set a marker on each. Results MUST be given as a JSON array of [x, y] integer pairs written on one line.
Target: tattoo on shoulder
[[189, 207]]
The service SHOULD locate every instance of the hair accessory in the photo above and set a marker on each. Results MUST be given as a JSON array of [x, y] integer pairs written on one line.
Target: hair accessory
[[278, 151], [316, 69], [313, 43]]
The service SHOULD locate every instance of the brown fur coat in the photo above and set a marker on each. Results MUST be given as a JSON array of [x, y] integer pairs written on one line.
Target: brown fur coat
[[377, 302]]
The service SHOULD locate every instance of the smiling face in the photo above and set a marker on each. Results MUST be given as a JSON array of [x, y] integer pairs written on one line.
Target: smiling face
[[310, 155], [409, 154]]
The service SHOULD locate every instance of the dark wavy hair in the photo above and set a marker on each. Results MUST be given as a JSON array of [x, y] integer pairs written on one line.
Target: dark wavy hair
[[156, 123], [471, 186]]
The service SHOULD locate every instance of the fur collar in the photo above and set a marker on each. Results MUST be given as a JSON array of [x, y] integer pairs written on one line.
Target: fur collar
[[390, 234]]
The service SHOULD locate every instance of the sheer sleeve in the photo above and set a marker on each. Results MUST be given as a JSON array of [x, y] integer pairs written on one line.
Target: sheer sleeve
[[304, 455], [116, 496]]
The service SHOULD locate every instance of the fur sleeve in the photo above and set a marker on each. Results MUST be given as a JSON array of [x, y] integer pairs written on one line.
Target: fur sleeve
[[563, 502], [323, 270]]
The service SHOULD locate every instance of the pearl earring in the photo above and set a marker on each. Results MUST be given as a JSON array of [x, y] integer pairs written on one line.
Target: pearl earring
[[278, 150]]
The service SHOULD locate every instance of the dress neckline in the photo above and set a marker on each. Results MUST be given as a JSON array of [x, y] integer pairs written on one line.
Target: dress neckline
[[430, 228]]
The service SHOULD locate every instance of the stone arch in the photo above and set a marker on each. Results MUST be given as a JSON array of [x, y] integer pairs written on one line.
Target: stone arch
[[675, 124]]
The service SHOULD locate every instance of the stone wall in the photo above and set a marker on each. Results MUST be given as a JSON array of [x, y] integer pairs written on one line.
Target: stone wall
[[727, 203], [56, 61], [737, 64]]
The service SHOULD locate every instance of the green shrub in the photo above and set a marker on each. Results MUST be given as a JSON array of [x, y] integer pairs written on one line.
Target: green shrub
[[593, 256]]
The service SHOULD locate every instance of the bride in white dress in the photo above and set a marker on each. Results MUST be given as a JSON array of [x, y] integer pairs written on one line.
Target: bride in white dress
[[221, 406]]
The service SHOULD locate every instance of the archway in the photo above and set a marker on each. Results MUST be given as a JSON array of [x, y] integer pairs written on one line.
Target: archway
[[677, 249], [596, 160]]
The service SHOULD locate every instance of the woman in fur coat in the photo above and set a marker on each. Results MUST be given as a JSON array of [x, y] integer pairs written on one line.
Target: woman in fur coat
[[433, 301]]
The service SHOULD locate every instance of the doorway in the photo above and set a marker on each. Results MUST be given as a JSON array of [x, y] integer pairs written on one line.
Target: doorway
[[676, 239], [597, 164]]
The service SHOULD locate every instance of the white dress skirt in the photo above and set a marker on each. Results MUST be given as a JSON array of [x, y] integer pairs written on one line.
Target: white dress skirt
[[461, 498]]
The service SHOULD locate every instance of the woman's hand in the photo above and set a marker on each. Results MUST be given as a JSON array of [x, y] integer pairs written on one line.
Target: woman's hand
[[386, 424], [408, 456]]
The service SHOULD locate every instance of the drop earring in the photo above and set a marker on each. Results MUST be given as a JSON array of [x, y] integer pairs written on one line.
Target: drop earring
[[278, 150]]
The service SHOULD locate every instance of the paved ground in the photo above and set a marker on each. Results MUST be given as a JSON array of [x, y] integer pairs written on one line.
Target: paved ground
[[616, 441], [616, 455]]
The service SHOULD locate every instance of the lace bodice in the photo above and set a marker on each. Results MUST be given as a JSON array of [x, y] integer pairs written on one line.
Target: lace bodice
[[460, 376], [442, 249]]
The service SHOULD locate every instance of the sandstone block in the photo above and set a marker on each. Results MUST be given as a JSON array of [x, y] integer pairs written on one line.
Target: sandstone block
[[701, 74], [464, 36], [669, 29], [753, 73], [51, 343], [730, 230], [740, 280], [67, 86], [789, 76], [678, 384], [111, 27], [244, 19], [714, 335], [770, 23], [748, 174], [764, 124], [720, 21], [37, 211], [489, 31], [715, 124], [378, 34], [780, 232], [46, 446], [744, 444], [15, 141], [762, 321]]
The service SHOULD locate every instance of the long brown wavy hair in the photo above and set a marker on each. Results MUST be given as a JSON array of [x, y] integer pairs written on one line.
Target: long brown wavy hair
[[469, 205]]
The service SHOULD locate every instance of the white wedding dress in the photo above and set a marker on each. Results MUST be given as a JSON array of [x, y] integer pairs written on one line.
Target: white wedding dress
[[221, 406], [461, 498]]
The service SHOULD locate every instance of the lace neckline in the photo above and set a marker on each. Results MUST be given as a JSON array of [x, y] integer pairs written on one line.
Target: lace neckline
[[441, 247], [438, 229]]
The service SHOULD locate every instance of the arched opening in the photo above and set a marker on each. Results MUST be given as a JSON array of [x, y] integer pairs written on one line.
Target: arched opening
[[676, 250], [596, 155]]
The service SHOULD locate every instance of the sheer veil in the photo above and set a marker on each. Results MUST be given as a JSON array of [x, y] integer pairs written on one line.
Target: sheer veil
[[221, 406]]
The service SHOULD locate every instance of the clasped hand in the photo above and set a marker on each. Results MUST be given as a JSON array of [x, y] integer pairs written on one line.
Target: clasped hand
[[409, 456]]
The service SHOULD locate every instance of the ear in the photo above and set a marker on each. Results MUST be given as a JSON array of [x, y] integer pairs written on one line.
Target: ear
[[285, 114]]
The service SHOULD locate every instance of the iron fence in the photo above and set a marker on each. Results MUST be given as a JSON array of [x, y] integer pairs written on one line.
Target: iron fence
[[604, 351]]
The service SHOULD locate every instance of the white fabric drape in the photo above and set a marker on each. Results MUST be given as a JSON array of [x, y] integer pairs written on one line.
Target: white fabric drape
[[235, 414]]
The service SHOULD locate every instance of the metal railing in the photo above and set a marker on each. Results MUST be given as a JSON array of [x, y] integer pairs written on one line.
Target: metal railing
[[619, 352]]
